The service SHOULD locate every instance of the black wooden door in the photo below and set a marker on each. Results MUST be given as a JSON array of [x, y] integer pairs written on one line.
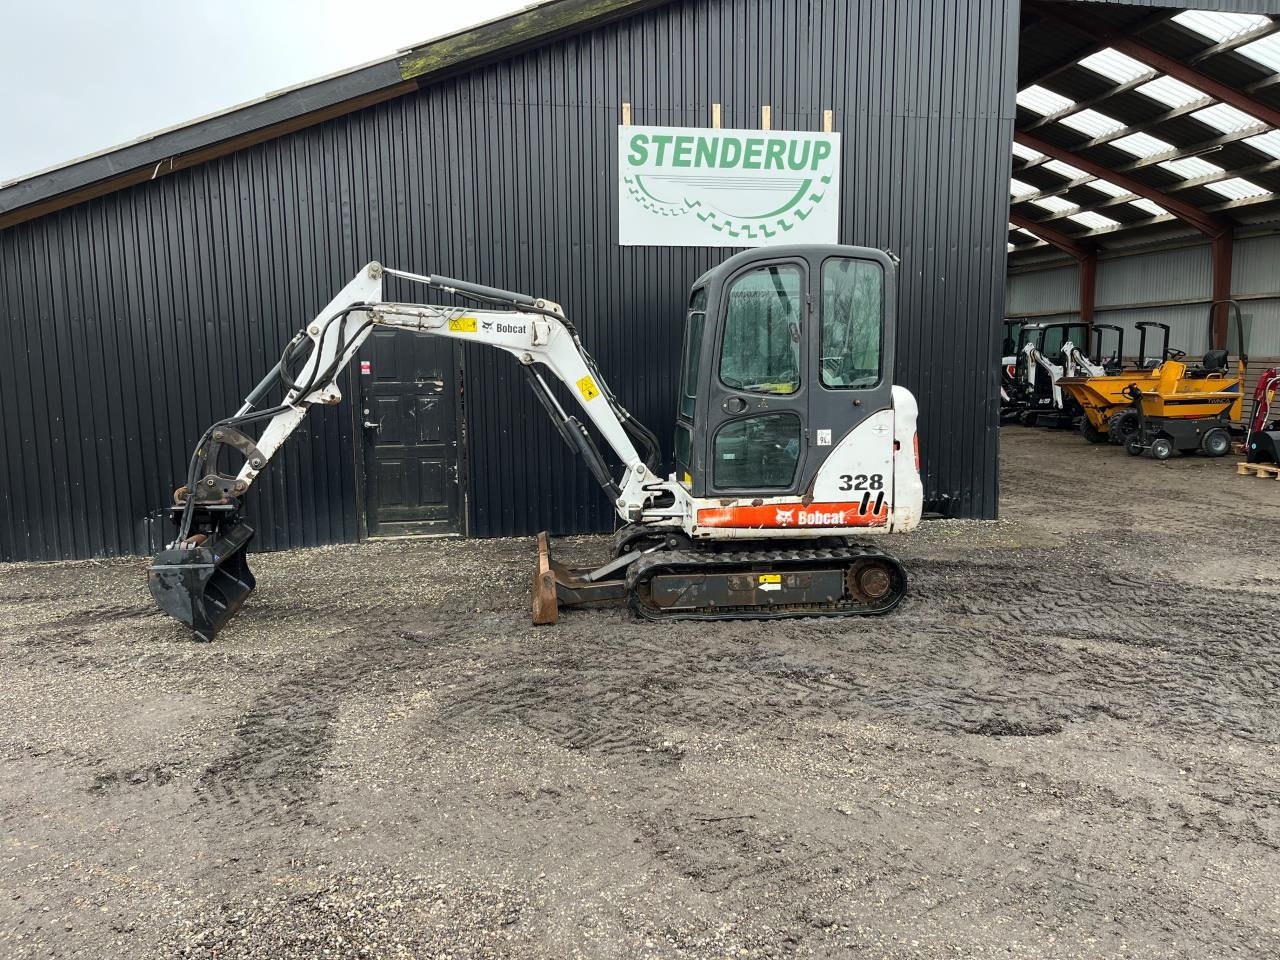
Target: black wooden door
[[410, 415]]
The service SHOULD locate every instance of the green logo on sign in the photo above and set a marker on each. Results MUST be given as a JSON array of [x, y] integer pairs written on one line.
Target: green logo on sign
[[744, 186]]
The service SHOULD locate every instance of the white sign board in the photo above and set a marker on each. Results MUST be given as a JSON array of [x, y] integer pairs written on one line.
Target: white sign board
[[702, 187]]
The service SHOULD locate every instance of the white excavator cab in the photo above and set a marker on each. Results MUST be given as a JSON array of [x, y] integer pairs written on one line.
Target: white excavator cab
[[788, 420]]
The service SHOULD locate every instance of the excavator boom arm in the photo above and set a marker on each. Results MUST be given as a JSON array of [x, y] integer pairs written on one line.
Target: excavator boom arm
[[536, 333]]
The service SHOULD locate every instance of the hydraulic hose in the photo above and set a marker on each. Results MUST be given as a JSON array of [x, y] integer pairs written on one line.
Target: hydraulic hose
[[282, 370]]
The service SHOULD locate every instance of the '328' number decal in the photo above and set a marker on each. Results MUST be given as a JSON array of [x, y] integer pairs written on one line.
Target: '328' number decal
[[861, 481]]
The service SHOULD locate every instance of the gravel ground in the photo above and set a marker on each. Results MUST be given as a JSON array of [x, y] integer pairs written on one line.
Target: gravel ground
[[1062, 744]]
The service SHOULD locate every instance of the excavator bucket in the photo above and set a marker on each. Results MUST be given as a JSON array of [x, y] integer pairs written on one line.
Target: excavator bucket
[[203, 581]]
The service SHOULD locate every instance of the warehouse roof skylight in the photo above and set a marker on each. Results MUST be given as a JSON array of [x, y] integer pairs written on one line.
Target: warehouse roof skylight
[[1170, 92], [1109, 188], [1093, 123], [1268, 142], [1237, 188], [1191, 167], [1142, 145], [1064, 169], [1115, 65], [1148, 206], [1265, 51], [1025, 153], [1056, 204], [1043, 101], [1020, 189], [1095, 221], [1226, 118], [1219, 26]]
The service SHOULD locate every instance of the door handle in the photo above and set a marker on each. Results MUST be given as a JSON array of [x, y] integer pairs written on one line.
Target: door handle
[[734, 405], [370, 425]]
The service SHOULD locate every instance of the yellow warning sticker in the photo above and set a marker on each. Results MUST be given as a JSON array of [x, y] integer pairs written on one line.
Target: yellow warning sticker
[[587, 387], [770, 578], [462, 325], [688, 479]]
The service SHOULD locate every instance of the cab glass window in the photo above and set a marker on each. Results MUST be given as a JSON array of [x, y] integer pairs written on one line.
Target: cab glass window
[[761, 348], [1054, 338], [683, 450], [756, 453], [852, 320], [692, 353]]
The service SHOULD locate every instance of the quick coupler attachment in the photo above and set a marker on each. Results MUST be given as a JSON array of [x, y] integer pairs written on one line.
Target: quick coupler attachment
[[203, 581]]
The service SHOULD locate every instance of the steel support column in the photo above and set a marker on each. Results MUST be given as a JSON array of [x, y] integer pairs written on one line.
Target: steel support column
[[1088, 287], [1222, 250]]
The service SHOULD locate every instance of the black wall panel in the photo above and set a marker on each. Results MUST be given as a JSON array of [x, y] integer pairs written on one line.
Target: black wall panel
[[134, 320]]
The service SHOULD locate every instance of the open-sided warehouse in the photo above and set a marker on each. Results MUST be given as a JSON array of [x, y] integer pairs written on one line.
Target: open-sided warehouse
[[1145, 175], [146, 288]]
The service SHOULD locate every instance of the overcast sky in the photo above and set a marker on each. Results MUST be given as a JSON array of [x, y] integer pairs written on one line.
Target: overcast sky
[[78, 76]]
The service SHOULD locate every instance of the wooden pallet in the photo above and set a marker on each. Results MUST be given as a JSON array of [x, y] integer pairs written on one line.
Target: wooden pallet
[[1267, 471]]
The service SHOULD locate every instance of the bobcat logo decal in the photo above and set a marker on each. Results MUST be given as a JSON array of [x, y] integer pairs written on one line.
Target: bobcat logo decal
[[783, 517]]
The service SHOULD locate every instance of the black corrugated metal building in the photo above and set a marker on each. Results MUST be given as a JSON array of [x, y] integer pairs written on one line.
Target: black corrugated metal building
[[146, 289]]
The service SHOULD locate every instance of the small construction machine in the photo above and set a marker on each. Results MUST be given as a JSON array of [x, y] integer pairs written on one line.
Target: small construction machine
[[1009, 364], [1185, 408], [1107, 410], [790, 438], [1111, 362], [1262, 442], [1047, 353]]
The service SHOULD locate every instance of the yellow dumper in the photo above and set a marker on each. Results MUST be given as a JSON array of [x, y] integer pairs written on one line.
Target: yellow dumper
[[1109, 413], [1190, 408]]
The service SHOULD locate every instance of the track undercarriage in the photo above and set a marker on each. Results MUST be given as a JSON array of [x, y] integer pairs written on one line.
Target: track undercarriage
[[670, 578]]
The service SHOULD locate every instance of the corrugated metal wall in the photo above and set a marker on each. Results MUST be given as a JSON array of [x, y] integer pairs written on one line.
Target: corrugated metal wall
[[138, 318]]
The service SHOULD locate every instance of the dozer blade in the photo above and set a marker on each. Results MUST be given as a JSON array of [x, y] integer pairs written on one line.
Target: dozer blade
[[556, 585], [203, 585], [546, 606]]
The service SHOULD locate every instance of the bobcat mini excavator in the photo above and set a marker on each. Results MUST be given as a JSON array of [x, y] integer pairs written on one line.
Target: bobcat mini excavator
[[790, 438]]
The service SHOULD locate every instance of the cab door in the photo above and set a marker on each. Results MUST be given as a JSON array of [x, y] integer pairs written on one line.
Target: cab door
[[759, 382]]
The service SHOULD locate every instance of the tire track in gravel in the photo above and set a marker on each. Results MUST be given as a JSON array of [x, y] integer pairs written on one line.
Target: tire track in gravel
[[1012, 654], [284, 735]]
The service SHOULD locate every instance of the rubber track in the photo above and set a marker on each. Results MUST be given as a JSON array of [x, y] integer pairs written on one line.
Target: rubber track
[[764, 561]]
